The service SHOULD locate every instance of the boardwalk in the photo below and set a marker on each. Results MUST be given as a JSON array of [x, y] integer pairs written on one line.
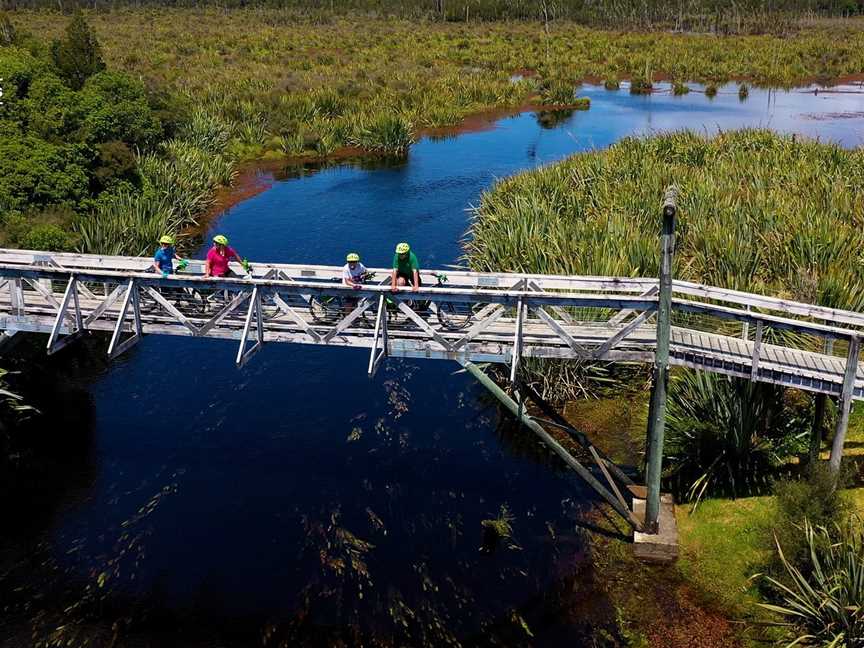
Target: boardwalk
[[466, 316]]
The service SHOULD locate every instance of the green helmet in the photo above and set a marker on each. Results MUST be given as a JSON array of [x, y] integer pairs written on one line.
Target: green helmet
[[167, 239], [221, 240], [403, 248], [352, 257]]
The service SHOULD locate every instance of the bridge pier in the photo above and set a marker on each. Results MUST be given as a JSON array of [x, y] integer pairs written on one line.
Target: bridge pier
[[844, 406], [817, 429], [657, 418]]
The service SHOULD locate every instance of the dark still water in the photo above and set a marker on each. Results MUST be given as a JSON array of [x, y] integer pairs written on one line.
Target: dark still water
[[295, 498]]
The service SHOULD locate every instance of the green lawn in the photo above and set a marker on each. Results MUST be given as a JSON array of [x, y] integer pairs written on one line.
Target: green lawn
[[723, 542]]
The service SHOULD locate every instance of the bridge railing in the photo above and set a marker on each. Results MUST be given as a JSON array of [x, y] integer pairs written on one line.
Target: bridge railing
[[496, 316]]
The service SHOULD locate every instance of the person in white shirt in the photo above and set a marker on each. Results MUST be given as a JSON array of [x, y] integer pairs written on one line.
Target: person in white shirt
[[354, 272]]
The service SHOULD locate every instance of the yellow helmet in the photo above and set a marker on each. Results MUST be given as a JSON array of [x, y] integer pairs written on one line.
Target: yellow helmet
[[352, 256], [221, 240], [167, 239], [403, 248]]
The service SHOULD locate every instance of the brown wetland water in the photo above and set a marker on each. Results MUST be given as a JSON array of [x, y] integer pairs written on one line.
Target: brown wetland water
[[297, 502]]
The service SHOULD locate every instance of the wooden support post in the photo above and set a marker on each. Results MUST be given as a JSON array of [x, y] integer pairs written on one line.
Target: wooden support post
[[817, 428], [255, 311], [845, 405], [375, 355], [657, 422], [16, 296], [517, 341], [757, 349], [69, 296]]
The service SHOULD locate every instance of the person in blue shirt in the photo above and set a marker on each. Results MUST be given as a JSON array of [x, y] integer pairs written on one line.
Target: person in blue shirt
[[163, 260]]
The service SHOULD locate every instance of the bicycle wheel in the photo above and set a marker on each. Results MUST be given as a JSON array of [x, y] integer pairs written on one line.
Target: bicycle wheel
[[454, 316], [325, 309]]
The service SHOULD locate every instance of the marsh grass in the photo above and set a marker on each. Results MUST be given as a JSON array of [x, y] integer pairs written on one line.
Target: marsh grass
[[759, 212], [299, 81]]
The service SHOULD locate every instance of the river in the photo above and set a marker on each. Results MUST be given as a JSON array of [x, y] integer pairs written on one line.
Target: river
[[298, 495]]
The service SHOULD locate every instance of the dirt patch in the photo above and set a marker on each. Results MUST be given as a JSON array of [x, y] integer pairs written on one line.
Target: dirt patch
[[653, 604]]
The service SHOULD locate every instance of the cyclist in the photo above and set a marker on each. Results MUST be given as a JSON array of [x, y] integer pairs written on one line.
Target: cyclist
[[219, 256], [353, 272], [406, 268], [163, 260]]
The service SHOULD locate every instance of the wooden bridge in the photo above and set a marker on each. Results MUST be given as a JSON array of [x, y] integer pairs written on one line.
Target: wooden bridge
[[499, 318], [463, 316]]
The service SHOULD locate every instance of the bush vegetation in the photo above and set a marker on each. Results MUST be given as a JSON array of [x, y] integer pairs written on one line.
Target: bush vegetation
[[84, 159], [699, 15], [314, 80], [823, 599], [727, 436]]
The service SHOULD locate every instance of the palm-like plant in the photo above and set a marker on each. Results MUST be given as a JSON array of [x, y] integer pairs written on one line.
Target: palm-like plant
[[725, 435], [825, 607]]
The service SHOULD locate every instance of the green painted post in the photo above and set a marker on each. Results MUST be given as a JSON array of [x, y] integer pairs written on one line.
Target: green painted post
[[657, 420]]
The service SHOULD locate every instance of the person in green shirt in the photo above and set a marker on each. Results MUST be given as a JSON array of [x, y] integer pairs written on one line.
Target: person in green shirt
[[406, 268]]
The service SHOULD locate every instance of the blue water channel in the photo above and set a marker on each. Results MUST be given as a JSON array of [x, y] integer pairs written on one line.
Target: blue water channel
[[249, 492]]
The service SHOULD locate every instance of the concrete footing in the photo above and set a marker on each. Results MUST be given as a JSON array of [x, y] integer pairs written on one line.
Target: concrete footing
[[660, 547]]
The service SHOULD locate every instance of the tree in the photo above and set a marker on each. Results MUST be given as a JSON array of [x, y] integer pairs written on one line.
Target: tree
[[79, 55]]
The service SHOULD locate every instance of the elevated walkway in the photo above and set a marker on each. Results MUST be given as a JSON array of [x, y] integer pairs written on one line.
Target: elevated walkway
[[465, 316]]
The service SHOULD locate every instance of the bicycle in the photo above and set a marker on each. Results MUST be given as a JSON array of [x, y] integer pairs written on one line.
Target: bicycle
[[188, 301], [452, 316], [332, 308]]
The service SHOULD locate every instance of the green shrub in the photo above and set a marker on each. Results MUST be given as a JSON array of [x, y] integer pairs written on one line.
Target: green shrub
[[34, 173], [612, 84], [814, 497], [557, 92], [725, 435], [49, 237], [679, 88], [114, 163], [384, 133], [115, 107], [824, 602]]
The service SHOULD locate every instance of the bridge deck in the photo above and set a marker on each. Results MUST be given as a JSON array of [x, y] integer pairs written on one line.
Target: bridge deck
[[470, 316]]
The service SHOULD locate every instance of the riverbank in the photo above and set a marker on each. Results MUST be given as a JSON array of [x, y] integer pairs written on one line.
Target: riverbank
[[709, 596], [285, 85]]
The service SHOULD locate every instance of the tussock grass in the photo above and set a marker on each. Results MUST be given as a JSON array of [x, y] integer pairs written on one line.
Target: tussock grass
[[758, 211], [287, 82]]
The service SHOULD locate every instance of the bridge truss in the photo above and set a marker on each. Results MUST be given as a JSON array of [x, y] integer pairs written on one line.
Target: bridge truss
[[469, 316]]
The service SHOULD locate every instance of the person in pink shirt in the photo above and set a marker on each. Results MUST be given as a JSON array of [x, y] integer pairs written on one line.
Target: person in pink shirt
[[219, 256]]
